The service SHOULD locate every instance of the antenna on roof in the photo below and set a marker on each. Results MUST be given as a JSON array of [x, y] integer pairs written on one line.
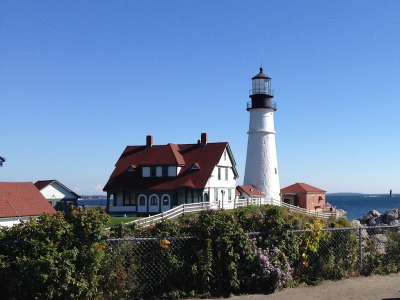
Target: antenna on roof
[[2, 159]]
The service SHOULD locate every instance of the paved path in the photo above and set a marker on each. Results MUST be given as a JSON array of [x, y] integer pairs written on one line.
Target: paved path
[[363, 288]]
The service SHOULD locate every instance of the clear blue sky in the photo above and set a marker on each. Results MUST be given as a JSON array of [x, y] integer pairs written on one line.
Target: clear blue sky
[[81, 80]]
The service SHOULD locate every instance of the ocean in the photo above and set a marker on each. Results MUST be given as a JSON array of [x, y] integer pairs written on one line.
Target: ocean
[[356, 205]]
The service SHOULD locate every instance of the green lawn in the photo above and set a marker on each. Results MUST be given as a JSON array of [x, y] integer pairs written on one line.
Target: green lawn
[[116, 220]]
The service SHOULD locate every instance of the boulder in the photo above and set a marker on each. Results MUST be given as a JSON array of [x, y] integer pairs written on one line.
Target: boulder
[[379, 221], [381, 241], [370, 215], [394, 223], [356, 223], [341, 213], [391, 215]]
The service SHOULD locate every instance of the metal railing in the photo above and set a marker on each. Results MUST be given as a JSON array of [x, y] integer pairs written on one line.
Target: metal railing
[[271, 105]]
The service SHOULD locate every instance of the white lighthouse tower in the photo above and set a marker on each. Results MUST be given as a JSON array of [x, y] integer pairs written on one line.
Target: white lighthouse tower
[[261, 161]]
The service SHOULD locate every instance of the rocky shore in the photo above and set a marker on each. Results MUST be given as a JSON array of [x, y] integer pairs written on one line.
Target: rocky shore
[[374, 218], [376, 224]]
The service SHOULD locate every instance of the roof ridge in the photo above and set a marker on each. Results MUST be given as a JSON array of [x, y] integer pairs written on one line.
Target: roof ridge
[[177, 155]]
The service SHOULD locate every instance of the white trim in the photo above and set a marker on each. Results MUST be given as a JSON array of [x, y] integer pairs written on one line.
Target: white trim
[[165, 207], [152, 207], [142, 208], [162, 199]]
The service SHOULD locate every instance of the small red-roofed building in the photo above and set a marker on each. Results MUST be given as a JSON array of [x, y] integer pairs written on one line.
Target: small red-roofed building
[[58, 195], [251, 194], [21, 200], [150, 179], [304, 195]]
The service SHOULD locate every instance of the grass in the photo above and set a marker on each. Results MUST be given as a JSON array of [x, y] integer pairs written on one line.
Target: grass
[[117, 220]]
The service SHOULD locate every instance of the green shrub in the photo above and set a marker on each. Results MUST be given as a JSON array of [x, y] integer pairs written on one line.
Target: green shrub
[[62, 256]]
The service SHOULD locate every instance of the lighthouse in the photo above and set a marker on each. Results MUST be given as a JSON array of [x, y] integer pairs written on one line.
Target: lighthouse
[[262, 162]]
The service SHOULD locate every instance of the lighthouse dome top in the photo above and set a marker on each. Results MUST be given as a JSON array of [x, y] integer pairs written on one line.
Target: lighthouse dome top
[[261, 75]]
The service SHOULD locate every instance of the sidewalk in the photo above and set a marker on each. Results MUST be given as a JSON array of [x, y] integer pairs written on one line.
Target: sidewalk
[[363, 288]]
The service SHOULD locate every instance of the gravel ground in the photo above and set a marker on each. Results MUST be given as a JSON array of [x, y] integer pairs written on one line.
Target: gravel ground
[[363, 288]]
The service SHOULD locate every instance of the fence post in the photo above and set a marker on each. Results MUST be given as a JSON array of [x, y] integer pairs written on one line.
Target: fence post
[[360, 245], [183, 209]]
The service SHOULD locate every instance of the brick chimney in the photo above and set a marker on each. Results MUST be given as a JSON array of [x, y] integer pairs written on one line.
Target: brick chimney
[[204, 138], [149, 141]]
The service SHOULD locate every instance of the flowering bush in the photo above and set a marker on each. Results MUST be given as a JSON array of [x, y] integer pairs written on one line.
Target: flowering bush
[[272, 271]]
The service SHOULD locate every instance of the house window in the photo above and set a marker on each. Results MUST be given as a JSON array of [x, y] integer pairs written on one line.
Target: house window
[[229, 195], [195, 197], [153, 171], [142, 200], [129, 198], [146, 171], [189, 197], [219, 173], [225, 155], [312, 199], [153, 200], [164, 171], [165, 200], [216, 195], [205, 197], [226, 173]]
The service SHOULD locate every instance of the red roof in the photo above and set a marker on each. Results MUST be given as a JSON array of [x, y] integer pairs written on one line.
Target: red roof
[[246, 189], [204, 156], [18, 199], [301, 188], [41, 184]]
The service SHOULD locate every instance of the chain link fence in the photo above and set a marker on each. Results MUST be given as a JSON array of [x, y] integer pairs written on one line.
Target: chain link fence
[[150, 266], [146, 267]]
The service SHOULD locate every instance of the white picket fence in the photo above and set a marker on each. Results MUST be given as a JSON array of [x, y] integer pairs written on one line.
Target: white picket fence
[[194, 207]]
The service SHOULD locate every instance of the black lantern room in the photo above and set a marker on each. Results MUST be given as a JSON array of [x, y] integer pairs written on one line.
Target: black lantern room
[[261, 93]]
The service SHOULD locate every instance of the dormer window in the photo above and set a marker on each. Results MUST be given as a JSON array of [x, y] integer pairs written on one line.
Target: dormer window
[[131, 169], [153, 171], [195, 167], [165, 171]]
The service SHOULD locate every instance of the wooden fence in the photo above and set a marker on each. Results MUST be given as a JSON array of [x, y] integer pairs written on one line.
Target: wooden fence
[[194, 207]]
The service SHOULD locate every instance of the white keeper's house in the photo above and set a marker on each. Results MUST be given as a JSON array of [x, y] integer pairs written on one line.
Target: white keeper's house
[[149, 179], [58, 195]]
